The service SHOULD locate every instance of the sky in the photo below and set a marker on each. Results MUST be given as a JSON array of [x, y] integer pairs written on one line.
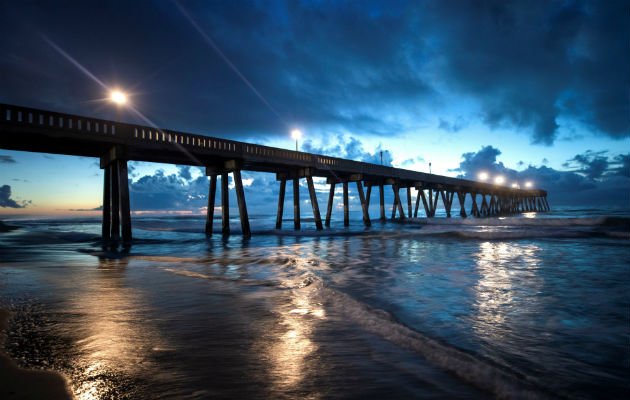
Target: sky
[[536, 91]]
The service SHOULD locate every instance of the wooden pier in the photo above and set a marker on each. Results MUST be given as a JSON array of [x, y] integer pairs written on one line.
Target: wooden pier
[[115, 143]]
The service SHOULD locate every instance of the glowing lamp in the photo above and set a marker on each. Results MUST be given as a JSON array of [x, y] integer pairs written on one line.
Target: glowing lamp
[[118, 97]]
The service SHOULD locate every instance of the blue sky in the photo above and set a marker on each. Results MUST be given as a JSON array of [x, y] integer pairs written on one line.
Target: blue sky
[[535, 91]]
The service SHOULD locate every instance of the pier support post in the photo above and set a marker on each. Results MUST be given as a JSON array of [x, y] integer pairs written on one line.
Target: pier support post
[[346, 206], [461, 196], [212, 193], [115, 195], [368, 194], [296, 204], [415, 211], [474, 210], [331, 198], [107, 202], [283, 186], [242, 205], [381, 192], [116, 207], [125, 212], [409, 201], [434, 205], [427, 211], [397, 202], [447, 199], [364, 205], [547, 203], [314, 204], [225, 204]]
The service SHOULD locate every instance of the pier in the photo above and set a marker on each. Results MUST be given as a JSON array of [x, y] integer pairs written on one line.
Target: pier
[[116, 143]]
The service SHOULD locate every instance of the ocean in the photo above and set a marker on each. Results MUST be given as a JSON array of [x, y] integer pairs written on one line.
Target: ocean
[[523, 307]]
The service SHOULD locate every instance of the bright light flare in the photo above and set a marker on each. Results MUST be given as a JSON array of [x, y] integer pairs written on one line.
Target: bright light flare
[[515, 185], [499, 180], [296, 134], [483, 176], [118, 97], [528, 184]]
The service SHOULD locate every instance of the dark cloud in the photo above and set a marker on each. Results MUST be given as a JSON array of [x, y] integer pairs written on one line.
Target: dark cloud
[[592, 164], [4, 159], [621, 164], [348, 66], [167, 192], [184, 172], [7, 202], [351, 148], [587, 185], [530, 64], [456, 125]]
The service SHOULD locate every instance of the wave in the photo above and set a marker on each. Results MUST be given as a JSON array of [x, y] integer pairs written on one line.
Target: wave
[[478, 371], [469, 367], [526, 222]]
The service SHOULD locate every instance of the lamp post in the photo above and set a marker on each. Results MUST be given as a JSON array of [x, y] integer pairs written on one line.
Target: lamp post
[[119, 98], [429, 167], [296, 134]]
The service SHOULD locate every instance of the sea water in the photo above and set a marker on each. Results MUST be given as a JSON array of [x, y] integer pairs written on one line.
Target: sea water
[[531, 306]]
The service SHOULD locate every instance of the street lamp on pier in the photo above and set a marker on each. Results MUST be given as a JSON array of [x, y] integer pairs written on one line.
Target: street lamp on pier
[[119, 98], [296, 134]]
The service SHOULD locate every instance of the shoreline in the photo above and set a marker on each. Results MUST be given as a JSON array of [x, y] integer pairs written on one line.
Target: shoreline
[[22, 383]]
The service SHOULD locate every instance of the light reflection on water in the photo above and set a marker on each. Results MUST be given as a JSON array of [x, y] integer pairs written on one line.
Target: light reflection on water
[[504, 267], [113, 341]]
